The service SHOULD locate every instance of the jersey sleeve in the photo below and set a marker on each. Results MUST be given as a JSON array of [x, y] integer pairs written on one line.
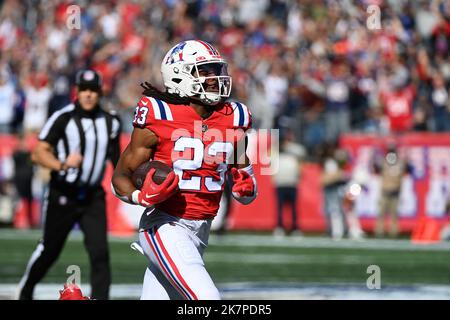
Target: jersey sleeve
[[150, 112], [54, 128], [242, 117]]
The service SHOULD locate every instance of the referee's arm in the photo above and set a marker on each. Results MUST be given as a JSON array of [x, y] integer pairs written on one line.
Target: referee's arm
[[114, 146], [43, 153]]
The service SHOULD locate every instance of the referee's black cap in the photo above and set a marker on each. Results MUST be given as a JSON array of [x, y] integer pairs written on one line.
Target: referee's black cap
[[88, 79]]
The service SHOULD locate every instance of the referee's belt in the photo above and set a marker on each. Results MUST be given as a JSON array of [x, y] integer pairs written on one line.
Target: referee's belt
[[80, 192]]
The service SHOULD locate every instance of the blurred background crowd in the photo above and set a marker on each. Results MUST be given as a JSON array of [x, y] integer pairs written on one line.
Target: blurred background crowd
[[313, 66], [314, 69]]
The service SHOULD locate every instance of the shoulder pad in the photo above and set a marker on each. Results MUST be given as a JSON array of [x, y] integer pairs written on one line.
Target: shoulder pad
[[241, 115]]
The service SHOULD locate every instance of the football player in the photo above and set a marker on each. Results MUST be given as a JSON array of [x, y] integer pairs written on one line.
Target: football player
[[194, 130]]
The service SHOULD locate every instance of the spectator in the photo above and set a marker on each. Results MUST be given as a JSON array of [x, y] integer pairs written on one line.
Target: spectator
[[276, 87], [7, 100], [334, 180], [37, 95], [441, 104], [392, 171], [337, 115], [440, 37], [262, 111], [398, 104], [286, 180], [19, 109], [290, 110], [358, 183], [314, 130], [6, 204], [61, 95], [362, 96], [6, 191], [23, 175], [420, 116]]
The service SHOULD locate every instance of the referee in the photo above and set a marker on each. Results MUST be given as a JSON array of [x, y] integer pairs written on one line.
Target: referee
[[75, 143]]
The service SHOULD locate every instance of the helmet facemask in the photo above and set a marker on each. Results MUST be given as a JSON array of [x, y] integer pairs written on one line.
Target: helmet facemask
[[211, 83]]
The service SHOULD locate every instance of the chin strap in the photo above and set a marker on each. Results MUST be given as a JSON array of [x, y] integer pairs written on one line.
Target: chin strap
[[204, 97]]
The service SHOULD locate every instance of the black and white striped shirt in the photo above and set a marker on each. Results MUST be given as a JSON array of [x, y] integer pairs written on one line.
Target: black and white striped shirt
[[95, 135]]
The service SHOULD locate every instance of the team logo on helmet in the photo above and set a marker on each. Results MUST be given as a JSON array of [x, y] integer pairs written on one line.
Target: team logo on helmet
[[176, 54]]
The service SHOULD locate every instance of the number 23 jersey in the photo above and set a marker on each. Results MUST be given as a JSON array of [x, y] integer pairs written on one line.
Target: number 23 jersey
[[199, 151]]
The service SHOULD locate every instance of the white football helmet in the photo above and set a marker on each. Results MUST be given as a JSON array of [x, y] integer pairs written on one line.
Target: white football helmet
[[194, 68]]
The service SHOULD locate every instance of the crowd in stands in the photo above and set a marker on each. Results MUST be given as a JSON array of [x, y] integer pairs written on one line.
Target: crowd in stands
[[314, 66]]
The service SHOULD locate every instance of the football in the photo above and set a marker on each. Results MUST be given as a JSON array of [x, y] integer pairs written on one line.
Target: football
[[162, 170]]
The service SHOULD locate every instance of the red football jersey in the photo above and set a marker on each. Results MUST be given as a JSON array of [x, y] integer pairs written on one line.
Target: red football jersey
[[199, 151], [399, 109]]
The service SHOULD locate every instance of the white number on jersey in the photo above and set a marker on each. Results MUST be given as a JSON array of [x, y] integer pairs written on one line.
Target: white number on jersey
[[181, 165], [140, 116]]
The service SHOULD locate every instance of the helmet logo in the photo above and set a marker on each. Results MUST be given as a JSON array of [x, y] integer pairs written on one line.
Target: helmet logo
[[176, 54]]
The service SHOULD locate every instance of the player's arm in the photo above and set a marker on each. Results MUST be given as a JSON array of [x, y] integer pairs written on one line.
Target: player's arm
[[140, 150], [244, 187]]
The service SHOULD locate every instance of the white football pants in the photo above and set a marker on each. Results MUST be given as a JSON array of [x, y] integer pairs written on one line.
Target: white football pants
[[175, 248]]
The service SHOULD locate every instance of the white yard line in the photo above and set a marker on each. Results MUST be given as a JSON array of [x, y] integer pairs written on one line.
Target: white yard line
[[271, 291], [322, 242], [281, 258], [262, 241]]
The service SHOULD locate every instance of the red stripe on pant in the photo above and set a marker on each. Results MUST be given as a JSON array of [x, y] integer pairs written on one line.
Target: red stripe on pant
[[174, 267], [163, 268]]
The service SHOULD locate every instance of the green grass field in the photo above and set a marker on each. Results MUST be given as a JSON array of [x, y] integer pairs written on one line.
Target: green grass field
[[238, 261]]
